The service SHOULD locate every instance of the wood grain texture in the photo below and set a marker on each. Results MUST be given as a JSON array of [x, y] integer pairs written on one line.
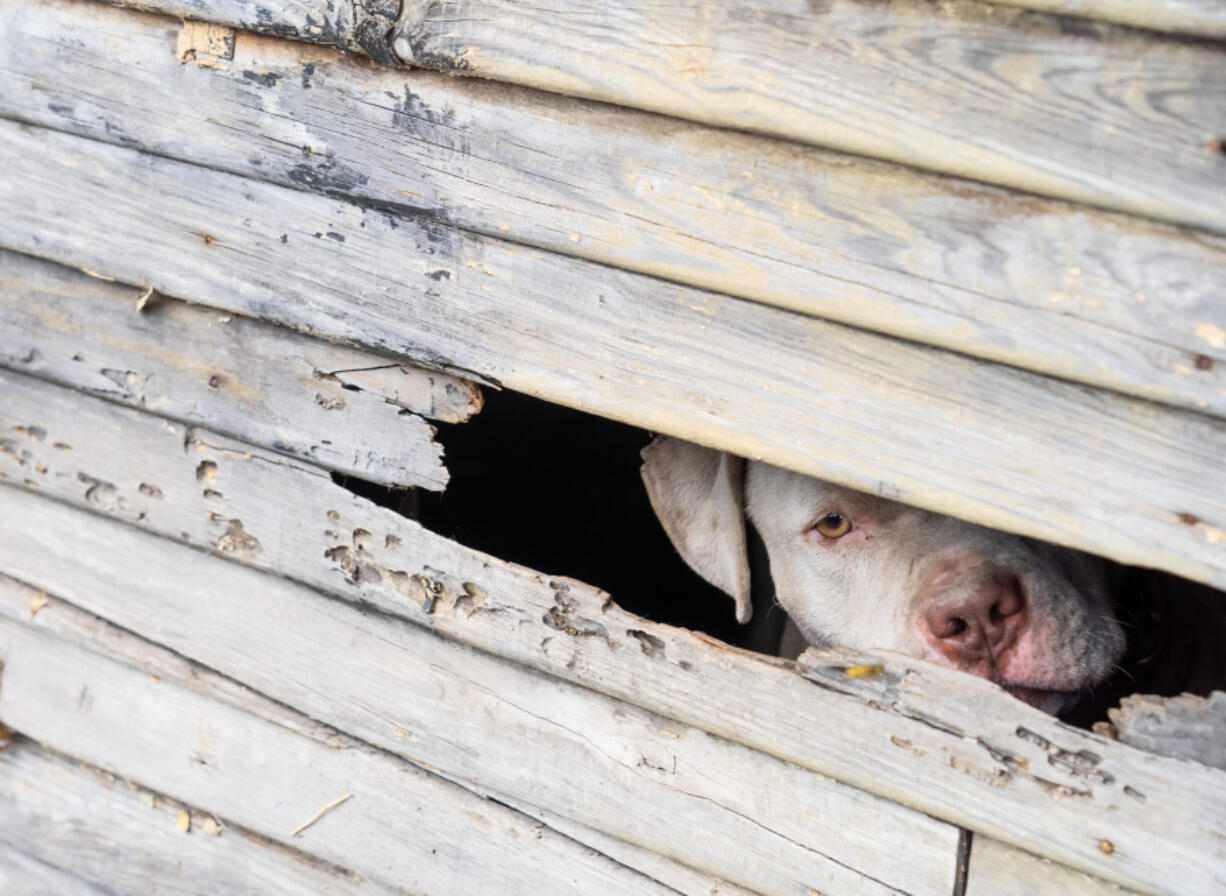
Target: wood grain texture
[[24, 874], [75, 625], [341, 408], [999, 870], [401, 827], [1196, 18], [1120, 477], [1187, 726], [324, 536], [110, 837], [1109, 117], [497, 727], [1063, 290]]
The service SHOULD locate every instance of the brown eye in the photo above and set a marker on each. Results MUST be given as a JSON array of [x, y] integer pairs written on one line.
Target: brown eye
[[834, 525]]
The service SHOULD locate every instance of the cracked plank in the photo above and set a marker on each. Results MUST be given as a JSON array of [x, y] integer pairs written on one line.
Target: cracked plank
[[1020, 452], [1064, 290], [336, 542], [112, 838], [405, 829], [338, 407]]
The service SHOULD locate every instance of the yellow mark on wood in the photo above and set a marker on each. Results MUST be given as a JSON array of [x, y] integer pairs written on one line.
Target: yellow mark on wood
[[1106, 846], [96, 275], [145, 298], [207, 45], [865, 671], [1212, 334], [318, 815], [183, 821], [37, 602], [1214, 536], [6, 738]]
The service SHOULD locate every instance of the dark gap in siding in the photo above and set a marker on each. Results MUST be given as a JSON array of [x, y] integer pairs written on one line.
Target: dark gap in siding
[[558, 490]]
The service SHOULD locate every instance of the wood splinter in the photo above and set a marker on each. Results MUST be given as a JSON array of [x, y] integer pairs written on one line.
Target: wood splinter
[[318, 815]]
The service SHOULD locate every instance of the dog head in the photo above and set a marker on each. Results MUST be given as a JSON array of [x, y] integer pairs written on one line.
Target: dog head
[[858, 570]]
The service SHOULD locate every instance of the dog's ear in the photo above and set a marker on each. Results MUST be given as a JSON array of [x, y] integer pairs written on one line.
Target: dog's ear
[[698, 494]]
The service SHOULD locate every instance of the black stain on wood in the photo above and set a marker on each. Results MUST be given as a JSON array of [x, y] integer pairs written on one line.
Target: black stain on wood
[[264, 79], [327, 175]]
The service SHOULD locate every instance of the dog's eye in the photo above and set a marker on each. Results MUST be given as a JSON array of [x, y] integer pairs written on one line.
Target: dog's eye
[[834, 525]]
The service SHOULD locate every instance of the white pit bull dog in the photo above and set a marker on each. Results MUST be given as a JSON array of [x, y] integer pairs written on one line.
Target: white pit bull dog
[[854, 569]]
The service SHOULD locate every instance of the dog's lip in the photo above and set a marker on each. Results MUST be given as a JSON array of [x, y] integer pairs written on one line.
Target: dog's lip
[[1051, 700]]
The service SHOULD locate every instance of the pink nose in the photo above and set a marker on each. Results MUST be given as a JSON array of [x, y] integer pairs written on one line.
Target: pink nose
[[976, 627]]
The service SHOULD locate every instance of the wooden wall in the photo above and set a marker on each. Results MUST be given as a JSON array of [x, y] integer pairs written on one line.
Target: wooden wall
[[963, 256]]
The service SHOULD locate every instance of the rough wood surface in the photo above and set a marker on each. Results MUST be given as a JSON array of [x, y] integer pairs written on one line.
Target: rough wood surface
[[1064, 290], [358, 26], [24, 874], [680, 877], [493, 725], [401, 827], [111, 837], [1187, 726], [74, 624], [1105, 116], [288, 518], [1020, 452], [341, 408], [1197, 18], [1000, 870]]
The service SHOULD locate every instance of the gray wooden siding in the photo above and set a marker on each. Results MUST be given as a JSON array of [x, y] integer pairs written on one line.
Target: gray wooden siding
[[1059, 289]]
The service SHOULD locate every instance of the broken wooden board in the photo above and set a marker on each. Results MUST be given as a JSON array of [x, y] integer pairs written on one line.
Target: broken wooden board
[[1066, 291], [1196, 18], [296, 522], [338, 407], [1092, 110], [999, 870], [1016, 451], [112, 837], [491, 725], [1186, 727], [398, 826]]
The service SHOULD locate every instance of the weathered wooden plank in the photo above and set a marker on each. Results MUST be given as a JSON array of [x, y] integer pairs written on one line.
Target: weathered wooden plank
[[111, 837], [1198, 18], [498, 727], [1000, 870], [26, 875], [667, 871], [1109, 117], [1066, 291], [358, 26], [1187, 726], [76, 625], [344, 409], [288, 518], [906, 81], [1016, 451], [400, 826]]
